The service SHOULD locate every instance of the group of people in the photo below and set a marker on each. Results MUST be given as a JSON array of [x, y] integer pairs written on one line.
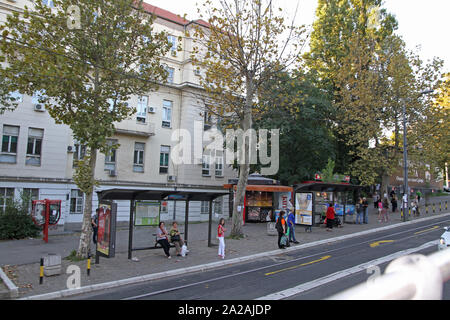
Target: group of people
[[286, 228], [362, 211], [174, 235]]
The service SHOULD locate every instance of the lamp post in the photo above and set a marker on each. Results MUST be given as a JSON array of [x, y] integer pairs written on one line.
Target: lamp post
[[405, 200]]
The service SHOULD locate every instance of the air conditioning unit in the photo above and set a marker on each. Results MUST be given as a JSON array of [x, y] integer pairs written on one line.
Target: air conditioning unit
[[172, 178], [112, 173], [197, 72], [151, 109], [39, 107], [70, 149]]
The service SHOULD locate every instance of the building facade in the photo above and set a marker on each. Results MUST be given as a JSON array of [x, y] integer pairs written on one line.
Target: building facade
[[38, 156]]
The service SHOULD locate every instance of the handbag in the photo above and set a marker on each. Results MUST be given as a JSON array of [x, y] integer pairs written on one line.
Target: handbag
[[283, 240], [175, 238]]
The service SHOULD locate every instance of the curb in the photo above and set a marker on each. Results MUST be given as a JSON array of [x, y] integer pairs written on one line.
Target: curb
[[13, 289], [209, 266]]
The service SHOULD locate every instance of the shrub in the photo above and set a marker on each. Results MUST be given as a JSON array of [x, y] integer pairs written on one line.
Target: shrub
[[16, 222]]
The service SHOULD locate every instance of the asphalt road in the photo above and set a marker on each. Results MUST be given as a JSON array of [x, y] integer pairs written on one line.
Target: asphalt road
[[307, 270]]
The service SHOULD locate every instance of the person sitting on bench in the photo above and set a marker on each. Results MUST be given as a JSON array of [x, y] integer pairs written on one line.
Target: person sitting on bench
[[175, 238], [162, 239]]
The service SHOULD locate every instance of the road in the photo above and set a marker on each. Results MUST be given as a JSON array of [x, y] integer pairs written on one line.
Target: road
[[312, 273]]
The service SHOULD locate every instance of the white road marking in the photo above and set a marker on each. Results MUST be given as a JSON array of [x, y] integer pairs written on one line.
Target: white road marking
[[343, 273]]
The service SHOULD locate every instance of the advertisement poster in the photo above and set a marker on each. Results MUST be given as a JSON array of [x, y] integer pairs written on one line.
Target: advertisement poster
[[104, 229], [350, 209], [303, 208], [147, 213], [339, 209]]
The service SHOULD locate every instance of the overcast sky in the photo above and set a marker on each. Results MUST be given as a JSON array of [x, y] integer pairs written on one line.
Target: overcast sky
[[424, 23]]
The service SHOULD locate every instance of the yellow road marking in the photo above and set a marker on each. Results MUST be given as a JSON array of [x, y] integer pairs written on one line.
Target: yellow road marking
[[376, 244], [300, 265], [434, 228]]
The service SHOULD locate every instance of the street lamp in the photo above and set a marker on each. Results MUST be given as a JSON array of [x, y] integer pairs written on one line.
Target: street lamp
[[405, 200]]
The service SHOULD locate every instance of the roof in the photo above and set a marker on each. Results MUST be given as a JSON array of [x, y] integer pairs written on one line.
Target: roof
[[164, 14], [139, 194], [325, 187], [256, 178]]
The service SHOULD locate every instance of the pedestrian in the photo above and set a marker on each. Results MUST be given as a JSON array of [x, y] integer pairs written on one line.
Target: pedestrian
[[375, 201], [280, 225], [365, 205], [330, 217], [359, 211], [221, 236], [94, 224], [162, 237], [175, 238], [385, 210], [291, 225], [394, 203], [380, 210]]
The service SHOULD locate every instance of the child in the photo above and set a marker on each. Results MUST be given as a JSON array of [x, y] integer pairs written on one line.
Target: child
[[221, 236]]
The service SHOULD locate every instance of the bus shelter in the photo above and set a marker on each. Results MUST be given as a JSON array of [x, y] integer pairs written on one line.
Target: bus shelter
[[313, 198], [133, 195]]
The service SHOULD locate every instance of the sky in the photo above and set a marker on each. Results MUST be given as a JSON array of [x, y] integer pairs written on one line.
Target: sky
[[421, 23]]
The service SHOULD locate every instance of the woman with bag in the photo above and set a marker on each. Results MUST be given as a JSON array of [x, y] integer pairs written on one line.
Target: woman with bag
[[330, 217], [281, 228], [175, 238]]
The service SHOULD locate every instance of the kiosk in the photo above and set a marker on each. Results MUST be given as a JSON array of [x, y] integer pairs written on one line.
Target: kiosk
[[263, 200]]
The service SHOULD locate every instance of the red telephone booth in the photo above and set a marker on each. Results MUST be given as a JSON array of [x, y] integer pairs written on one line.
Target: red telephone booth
[[44, 213]]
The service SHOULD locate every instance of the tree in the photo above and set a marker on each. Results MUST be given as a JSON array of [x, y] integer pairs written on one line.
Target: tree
[[85, 58], [240, 50], [371, 76], [294, 104]]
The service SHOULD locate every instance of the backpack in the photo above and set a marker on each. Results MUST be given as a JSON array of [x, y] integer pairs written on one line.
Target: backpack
[[278, 225]]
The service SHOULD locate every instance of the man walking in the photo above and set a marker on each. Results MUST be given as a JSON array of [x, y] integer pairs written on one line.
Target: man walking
[[291, 225]]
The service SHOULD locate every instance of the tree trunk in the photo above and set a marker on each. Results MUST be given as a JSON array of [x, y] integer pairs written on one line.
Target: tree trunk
[[244, 168], [84, 246]]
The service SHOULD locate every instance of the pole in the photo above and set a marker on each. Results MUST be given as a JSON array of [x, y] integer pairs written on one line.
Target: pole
[[405, 167], [130, 227], [47, 216], [209, 222]]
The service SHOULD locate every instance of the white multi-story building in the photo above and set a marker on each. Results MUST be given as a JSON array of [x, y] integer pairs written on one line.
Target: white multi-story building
[[37, 155]]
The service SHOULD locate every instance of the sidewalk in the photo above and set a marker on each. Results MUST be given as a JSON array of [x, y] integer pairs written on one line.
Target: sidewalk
[[20, 258]]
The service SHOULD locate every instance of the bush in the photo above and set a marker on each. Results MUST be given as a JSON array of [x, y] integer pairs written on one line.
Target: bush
[[16, 222]]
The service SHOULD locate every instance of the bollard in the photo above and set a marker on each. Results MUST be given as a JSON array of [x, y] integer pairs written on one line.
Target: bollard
[[89, 265], [434, 208], [440, 206], [41, 273], [426, 209]]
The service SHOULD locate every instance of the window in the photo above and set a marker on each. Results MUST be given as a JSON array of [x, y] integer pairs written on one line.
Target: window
[[217, 206], [173, 41], [110, 157], [34, 147], [206, 163], [79, 153], [138, 162], [141, 114], [170, 74], [76, 201], [9, 144], [204, 208], [30, 194], [207, 120], [167, 114], [164, 159], [219, 166], [6, 195]]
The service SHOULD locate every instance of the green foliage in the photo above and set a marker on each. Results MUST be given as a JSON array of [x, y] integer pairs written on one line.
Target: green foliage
[[16, 222], [294, 104], [328, 172]]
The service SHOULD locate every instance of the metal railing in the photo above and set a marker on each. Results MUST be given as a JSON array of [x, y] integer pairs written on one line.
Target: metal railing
[[415, 277]]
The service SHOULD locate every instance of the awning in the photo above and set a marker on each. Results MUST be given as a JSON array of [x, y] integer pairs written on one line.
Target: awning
[[266, 188]]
